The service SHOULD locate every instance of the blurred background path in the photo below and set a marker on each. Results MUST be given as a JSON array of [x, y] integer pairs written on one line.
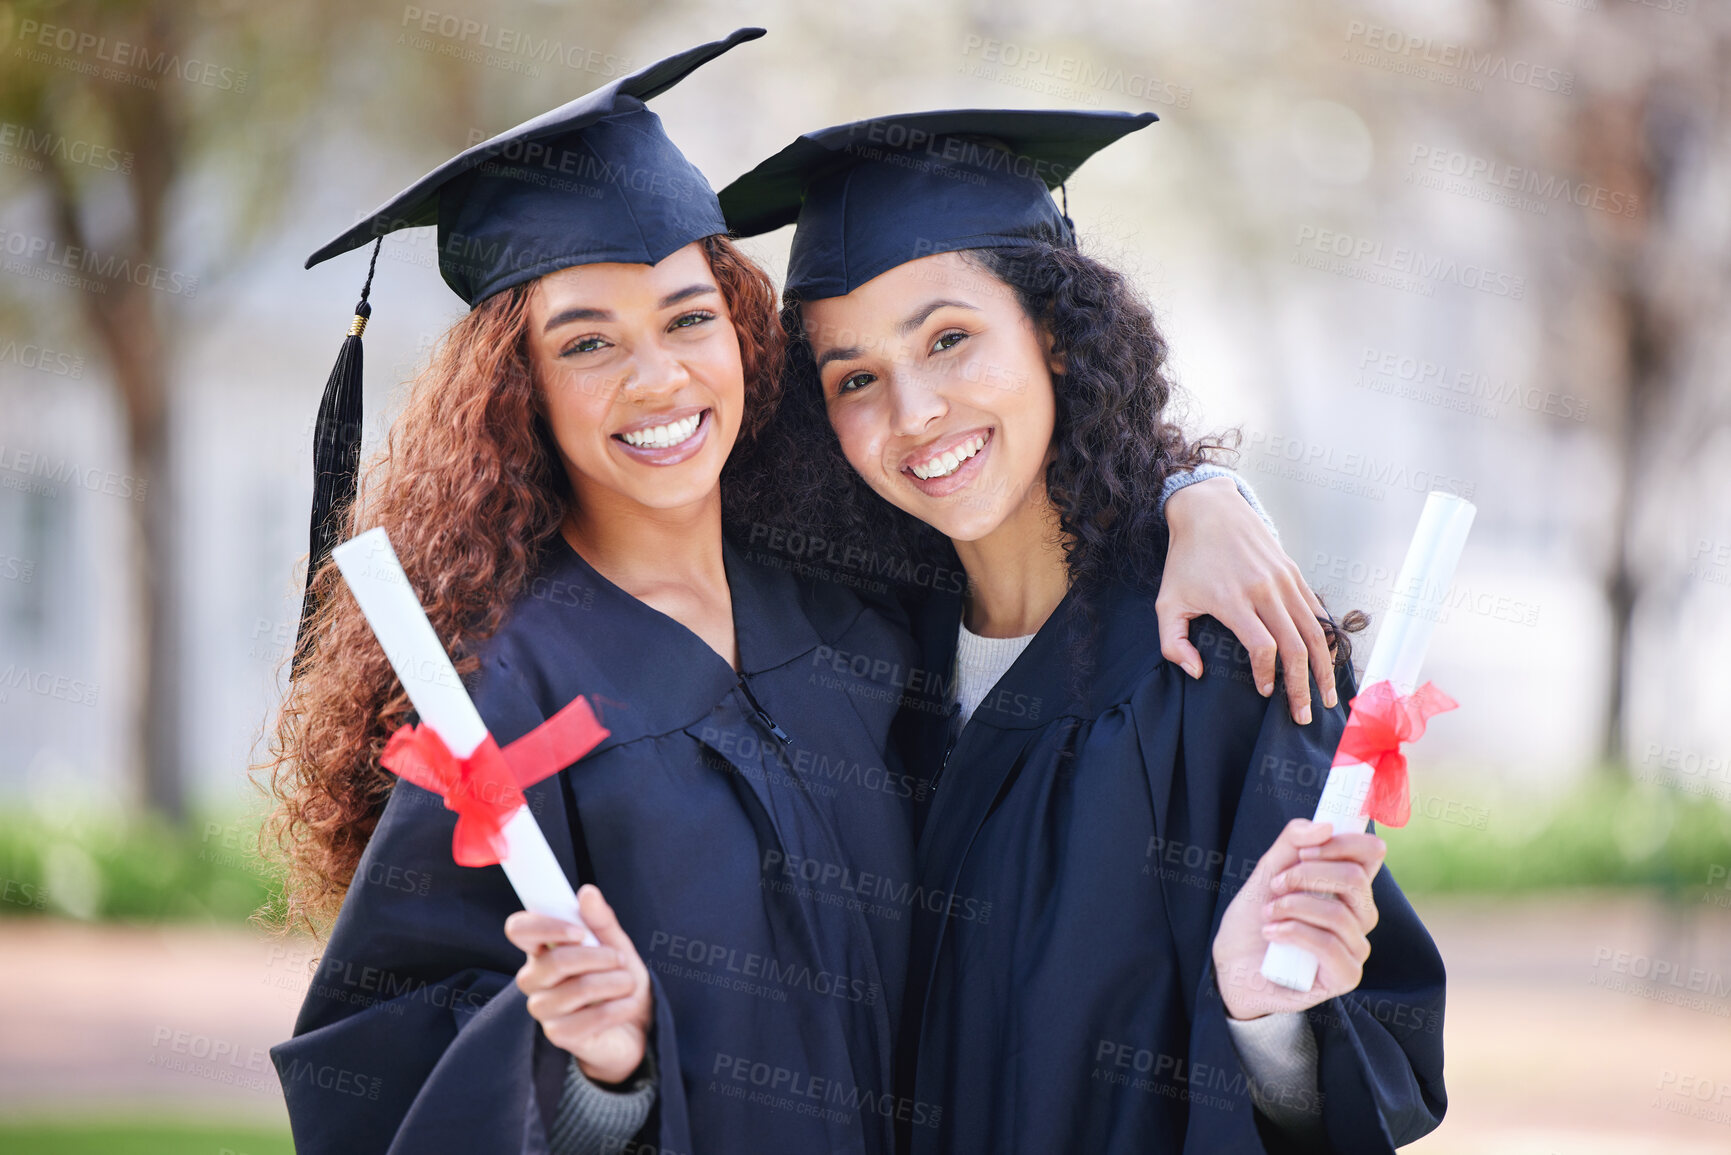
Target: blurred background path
[[1556, 1043]]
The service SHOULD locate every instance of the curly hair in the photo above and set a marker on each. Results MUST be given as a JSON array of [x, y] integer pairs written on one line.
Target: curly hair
[[471, 490], [1114, 442]]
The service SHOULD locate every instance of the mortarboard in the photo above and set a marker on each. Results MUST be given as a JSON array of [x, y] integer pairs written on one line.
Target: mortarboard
[[878, 193], [595, 180]]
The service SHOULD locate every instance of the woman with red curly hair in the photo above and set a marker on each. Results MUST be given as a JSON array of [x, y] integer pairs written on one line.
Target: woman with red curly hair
[[552, 490]]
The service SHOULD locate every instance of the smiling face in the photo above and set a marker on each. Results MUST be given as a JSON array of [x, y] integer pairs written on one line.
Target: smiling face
[[939, 388], [640, 368]]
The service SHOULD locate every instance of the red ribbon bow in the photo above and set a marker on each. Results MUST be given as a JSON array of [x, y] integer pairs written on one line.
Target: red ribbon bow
[[486, 788], [1380, 721]]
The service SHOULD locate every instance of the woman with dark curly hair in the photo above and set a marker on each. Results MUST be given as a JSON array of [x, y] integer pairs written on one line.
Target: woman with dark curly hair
[[1114, 843]]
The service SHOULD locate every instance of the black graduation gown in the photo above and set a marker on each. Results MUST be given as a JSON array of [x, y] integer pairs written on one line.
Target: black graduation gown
[[742, 867], [1062, 997]]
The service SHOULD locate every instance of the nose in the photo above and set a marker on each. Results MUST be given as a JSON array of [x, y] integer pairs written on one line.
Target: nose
[[915, 402], [655, 370]]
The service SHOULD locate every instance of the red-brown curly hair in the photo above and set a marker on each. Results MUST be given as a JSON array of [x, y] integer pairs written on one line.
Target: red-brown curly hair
[[470, 488]]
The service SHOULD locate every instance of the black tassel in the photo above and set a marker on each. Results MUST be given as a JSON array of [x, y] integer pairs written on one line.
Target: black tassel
[[336, 453]]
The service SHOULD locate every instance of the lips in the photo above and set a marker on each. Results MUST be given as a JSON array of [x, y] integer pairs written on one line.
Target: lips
[[666, 438], [948, 464], [662, 436], [946, 455]]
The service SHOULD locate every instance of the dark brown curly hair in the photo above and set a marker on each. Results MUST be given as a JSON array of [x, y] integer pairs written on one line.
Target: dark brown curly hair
[[471, 489], [1114, 443]]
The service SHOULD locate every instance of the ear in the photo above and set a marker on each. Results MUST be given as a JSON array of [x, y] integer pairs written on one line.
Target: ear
[[1054, 360]]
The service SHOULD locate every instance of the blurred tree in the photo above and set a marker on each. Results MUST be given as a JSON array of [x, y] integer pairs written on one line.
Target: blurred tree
[[1637, 300], [237, 93]]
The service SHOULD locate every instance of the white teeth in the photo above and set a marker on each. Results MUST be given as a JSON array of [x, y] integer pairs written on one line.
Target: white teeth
[[663, 436], [949, 461]]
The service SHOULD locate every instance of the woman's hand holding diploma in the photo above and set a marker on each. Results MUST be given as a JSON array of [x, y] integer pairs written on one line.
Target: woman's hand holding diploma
[[1312, 889], [592, 1001]]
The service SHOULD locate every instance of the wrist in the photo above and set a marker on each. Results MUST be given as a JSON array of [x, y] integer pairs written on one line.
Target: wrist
[[611, 1076], [1197, 495]]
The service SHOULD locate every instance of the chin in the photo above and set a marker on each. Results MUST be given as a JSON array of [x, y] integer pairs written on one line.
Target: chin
[[953, 518]]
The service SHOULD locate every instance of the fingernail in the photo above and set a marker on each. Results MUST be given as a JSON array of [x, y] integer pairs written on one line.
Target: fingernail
[[1304, 715], [1268, 910], [1309, 852], [1279, 882], [1329, 699], [1193, 669], [1270, 930], [1267, 689]]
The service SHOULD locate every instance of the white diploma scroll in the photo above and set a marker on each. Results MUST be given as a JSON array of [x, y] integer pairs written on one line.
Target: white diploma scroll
[[375, 576], [1395, 658]]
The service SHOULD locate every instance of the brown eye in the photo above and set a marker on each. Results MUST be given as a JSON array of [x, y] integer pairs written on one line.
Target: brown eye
[[583, 345], [948, 340]]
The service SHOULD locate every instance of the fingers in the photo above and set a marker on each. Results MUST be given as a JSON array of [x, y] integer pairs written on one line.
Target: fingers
[[530, 933], [573, 995], [1347, 882], [555, 965], [1294, 838], [1260, 644], [1316, 643], [605, 923], [1367, 850], [1325, 913], [1312, 603], [1303, 645], [1175, 644], [1339, 968], [1294, 657], [571, 1032], [1321, 877]]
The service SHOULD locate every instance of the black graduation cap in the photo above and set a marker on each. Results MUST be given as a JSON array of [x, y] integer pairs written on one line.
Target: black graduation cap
[[878, 193], [596, 180]]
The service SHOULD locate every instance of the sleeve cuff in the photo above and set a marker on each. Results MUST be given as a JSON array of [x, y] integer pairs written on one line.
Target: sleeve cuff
[[1208, 471], [591, 1119], [1279, 1057]]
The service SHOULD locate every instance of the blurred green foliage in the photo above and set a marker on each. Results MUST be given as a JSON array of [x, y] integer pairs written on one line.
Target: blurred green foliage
[[1607, 831], [1610, 831], [145, 1137], [97, 866]]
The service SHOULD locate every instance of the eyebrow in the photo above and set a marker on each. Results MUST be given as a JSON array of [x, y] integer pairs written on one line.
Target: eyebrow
[[845, 354], [913, 321], [918, 317], [566, 316]]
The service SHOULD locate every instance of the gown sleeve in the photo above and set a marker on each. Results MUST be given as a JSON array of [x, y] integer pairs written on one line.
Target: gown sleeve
[[414, 1038], [1246, 770]]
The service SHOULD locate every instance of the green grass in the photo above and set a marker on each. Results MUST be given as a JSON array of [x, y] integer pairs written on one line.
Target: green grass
[[144, 1137]]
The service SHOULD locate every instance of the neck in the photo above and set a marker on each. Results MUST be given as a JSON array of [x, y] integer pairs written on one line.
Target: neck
[[1016, 573], [644, 551]]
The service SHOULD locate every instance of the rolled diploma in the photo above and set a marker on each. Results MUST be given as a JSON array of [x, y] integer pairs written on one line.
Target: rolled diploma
[[1396, 657], [375, 576]]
